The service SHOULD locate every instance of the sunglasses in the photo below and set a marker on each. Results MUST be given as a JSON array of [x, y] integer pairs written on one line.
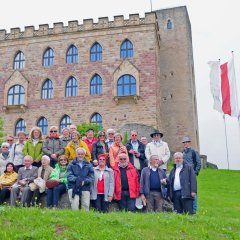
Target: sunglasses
[[133, 135], [63, 159], [10, 140], [122, 159], [53, 131], [4, 147]]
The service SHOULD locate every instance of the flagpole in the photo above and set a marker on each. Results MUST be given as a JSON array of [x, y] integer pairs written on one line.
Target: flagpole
[[151, 4], [226, 139]]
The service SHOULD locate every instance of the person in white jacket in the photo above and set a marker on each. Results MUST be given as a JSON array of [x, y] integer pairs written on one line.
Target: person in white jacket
[[158, 147]]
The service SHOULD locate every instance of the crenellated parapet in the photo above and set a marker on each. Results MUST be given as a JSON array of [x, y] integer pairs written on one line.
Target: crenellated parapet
[[73, 26]]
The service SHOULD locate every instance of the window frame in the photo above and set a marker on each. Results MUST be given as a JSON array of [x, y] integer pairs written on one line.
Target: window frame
[[128, 84], [72, 55], [96, 52], [48, 57], [126, 49], [96, 88], [19, 61], [47, 92], [22, 126], [20, 95]]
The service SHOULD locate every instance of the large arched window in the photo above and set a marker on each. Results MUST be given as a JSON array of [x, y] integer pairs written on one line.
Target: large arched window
[[126, 49], [43, 125], [65, 122], [71, 87], [96, 85], [48, 57], [96, 118], [19, 61], [47, 89], [16, 95], [126, 85], [20, 126], [96, 52], [72, 55]]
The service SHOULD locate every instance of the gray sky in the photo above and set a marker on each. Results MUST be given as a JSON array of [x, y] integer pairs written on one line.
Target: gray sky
[[215, 34]]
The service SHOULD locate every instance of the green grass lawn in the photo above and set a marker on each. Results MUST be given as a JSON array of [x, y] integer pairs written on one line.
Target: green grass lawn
[[218, 218]]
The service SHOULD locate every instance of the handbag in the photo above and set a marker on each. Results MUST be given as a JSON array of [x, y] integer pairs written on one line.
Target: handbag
[[52, 183]]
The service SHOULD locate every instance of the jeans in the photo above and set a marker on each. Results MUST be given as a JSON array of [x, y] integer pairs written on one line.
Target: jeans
[[126, 203], [195, 204], [100, 204], [53, 195]]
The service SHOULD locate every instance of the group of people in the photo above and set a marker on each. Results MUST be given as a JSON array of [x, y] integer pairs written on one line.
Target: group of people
[[96, 171]]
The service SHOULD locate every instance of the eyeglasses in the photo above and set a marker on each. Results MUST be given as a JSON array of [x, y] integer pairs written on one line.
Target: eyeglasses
[[110, 133], [122, 158], [4, 147], [101, 135], [133, 135], [10, 140], [62, 159], [53, 131], [101, 159]]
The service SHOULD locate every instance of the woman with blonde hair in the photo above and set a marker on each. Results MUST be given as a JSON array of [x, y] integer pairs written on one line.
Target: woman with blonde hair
[[53, 145], [116, 148], [33, 146], [4, 156]]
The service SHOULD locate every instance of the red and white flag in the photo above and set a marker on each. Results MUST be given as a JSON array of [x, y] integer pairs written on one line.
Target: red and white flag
[[223, 77]]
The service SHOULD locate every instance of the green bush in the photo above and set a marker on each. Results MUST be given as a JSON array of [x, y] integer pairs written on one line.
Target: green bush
[[82, 128], [125, 138], [1, 131]]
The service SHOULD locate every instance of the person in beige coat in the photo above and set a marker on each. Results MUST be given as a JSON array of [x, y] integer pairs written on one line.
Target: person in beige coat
[[158, 147]]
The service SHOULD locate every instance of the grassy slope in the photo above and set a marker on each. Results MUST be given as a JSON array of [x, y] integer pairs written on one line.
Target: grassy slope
[[217, 218]]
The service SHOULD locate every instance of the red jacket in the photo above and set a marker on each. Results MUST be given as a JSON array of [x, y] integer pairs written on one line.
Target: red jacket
[[132, 176]]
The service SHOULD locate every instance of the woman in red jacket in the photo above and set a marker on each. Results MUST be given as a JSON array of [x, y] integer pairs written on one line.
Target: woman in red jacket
[[126, 183]]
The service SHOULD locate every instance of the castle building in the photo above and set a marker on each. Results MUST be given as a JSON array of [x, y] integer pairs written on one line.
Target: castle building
[[135, 73]]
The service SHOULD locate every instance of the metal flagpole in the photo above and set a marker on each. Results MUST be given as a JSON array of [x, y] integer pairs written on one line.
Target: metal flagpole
[[151, 4], [226, 139]]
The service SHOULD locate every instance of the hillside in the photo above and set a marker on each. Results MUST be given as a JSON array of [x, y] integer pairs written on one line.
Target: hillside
[[217, 218]]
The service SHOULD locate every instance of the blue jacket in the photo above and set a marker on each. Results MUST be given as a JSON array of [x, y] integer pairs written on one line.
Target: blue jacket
[[76, 175]]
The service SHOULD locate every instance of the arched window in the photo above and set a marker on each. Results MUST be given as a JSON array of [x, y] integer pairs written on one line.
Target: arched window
[[126, 49], [96, 85], [43, 125], [47, 89], [48, 57], [19, 61], [96, 52], [16, 95], [126, 85], [96, 118], [169, 24], [65, 122], [71, 87], [72, 55], [20, 126]]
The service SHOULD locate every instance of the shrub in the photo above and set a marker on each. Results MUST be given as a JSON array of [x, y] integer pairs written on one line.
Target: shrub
[[82, 128]]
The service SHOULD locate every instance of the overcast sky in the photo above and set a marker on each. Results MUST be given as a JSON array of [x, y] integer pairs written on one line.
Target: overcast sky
[[215, 34]]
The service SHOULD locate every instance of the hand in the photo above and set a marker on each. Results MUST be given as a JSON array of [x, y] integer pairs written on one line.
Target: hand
[[95, 162], [164, 181], [131, 151], [54, 156], [144, 201], [0, 186], [161, 162], [82, 183], [137, 154], [110, 199], [193, 194]]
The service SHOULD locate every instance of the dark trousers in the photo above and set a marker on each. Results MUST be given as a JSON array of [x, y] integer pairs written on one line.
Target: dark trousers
[[37, 164], [126, 203], [182, 205], [100, 204], [53, 195], [53, 162], [4, 193]]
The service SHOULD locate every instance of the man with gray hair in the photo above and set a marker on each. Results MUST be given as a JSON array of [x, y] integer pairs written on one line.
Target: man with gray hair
[[152, 185], [182, 186], [110, 137], [26, 176], [80, 177]]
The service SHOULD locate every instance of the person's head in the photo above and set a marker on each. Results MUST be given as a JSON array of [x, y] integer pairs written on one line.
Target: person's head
[[81, 152], [101, 136], [186, 142], [53, 132], [144, 140], [21, 136], [156, 135], [10, 140], [90, 133], [10, 168], [28, 161], [134, 135], [178, 158], [117, 138], [62, 160], [123, 160], [66, 132], [45, 160], [76, 136], [5, 147], [102, 158], [154, 161], [72, 128], [36, 133], [110, 133]]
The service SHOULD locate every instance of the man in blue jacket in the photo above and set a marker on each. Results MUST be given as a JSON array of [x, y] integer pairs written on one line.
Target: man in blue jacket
[[80, 178]]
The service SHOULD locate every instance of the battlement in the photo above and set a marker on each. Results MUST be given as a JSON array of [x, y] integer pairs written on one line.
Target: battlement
[[73, 26]]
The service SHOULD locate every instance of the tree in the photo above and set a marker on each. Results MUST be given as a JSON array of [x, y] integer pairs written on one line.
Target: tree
[[1, 131], [82, 128]]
